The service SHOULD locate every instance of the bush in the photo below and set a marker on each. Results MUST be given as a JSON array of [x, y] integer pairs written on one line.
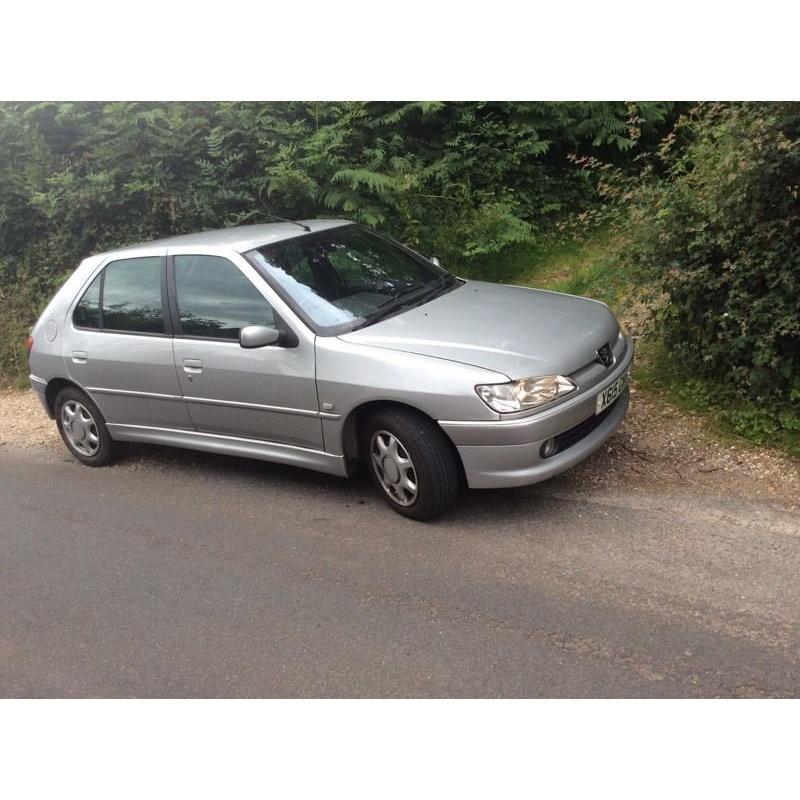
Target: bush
[[22, 301], [716, 220]]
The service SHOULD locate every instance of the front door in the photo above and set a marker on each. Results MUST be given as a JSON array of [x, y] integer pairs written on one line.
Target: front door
[[267, 393]]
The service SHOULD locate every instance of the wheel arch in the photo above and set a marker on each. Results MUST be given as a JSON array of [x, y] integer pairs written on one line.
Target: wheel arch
[[351, 445], [54, 386]]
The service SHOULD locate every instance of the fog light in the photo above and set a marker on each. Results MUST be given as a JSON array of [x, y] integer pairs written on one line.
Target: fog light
[[548, 448]]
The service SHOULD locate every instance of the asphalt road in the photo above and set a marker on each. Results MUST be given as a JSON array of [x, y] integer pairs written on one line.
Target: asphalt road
[[176, 574]]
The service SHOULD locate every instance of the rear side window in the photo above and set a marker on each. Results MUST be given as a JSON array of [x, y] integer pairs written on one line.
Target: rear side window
[[131, 298], [125, 296], [215, 299]]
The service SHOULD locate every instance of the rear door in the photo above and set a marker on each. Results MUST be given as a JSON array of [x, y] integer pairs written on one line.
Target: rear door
[[267, 393], [120, 347]]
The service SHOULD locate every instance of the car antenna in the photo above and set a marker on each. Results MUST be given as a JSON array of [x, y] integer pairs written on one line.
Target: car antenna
[[290, 221]]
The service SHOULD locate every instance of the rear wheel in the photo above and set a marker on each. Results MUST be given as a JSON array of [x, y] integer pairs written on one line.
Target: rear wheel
[[411, 461], [83, 428]]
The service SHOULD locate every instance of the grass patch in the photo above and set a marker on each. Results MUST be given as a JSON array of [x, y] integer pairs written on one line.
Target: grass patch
[[590, 267]]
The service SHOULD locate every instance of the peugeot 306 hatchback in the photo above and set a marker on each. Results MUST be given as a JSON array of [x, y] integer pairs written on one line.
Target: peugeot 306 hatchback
[[325, 345]]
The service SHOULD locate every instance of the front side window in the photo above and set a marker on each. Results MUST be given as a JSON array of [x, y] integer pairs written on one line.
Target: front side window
[[347, 276], [125, 297], [215, 299]]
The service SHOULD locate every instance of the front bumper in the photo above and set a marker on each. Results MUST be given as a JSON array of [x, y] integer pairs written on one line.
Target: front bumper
[[506, 452]]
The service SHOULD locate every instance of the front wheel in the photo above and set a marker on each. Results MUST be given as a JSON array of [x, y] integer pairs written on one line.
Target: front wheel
[[412, 463]]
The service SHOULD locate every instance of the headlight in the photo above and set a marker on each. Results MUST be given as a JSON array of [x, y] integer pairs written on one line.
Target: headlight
[[524, 393]]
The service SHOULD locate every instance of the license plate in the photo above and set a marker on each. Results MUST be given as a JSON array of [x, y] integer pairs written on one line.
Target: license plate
[[611, 393]]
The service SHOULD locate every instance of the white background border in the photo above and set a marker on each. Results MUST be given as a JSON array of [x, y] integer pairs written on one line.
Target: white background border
[[408, 49], [399, 749], [420, 49]]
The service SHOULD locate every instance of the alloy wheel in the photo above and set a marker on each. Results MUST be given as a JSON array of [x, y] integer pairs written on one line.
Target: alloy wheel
[[393, 467], [80, 428]]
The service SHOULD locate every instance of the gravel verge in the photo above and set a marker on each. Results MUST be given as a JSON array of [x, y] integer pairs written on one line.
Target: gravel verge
[[656, 446]]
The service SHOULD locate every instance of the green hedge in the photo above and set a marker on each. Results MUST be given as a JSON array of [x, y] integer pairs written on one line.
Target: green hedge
[[461, 180], [716, 221], [722, 231]]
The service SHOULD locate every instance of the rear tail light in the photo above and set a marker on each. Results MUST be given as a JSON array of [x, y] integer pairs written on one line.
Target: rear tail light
[[29, 343]]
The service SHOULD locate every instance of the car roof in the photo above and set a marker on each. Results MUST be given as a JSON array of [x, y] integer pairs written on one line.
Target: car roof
[[242, 237]]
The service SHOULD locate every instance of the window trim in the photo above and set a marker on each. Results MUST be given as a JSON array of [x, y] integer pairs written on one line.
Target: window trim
[[101, 274]]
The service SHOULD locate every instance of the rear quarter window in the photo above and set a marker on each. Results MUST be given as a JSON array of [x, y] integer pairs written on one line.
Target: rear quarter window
[[87, 312]]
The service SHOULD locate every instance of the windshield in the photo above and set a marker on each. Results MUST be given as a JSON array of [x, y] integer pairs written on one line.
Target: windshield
[[346, 277]]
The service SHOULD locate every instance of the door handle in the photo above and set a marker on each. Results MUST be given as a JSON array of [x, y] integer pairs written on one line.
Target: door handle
[[192, 367], [79, 356]]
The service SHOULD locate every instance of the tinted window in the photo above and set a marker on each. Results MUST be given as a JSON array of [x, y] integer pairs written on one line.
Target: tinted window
[[132, 295], [87, 312], [216, 299]]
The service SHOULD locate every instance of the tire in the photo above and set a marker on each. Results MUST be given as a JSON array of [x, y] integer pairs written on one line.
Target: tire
[[88, 439], [403, 449]]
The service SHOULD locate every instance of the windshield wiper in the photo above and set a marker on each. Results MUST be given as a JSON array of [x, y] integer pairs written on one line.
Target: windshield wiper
[[402, 293], [390, 305]]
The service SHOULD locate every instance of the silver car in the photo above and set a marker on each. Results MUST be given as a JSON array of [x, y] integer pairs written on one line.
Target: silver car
[[325, 345]]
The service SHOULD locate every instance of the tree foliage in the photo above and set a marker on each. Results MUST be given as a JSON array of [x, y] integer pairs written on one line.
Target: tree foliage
[[464, 177], [461, 180]]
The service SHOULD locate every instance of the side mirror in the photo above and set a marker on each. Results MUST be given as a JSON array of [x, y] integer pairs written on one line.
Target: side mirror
[[435, 260], [258, 336]]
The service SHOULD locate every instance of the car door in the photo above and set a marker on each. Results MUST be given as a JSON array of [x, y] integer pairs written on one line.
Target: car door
[[120, 346], [267, 393]]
